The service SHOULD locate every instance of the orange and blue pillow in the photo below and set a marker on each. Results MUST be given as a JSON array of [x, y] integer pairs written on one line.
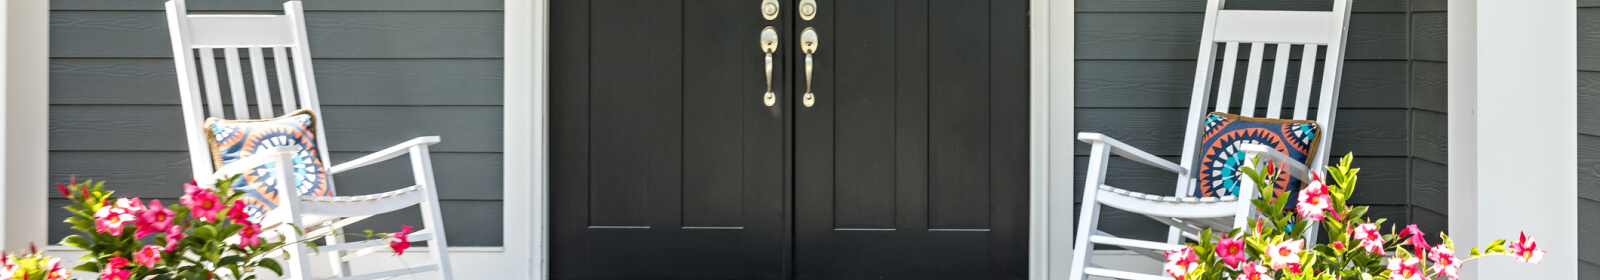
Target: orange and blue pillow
[[232, 140], [1220, 173]]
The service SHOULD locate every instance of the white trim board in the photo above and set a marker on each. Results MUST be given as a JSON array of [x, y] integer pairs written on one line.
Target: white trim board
[[526, 124], [24, 142], [1050, 162], [1513, 132], [1050, 157]]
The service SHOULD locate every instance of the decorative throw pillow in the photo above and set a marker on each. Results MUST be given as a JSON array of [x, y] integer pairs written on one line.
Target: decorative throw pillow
[[1226, 134], [232, 140]]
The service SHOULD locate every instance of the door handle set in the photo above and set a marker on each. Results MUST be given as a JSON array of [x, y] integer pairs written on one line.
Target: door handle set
[[769, 44], [808, 44]]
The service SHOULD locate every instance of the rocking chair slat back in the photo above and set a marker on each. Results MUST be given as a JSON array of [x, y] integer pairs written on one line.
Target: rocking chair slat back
[[1308, 70], [1252, 82], [1285, 31], [199, 37], [1280, 70]]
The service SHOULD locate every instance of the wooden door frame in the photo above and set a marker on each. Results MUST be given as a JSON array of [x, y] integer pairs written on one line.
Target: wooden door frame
[[1051, 80]]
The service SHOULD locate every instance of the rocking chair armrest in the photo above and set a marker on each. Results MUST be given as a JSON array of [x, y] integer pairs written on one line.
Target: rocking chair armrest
[[255, 160], [1296, 169], [385, 154], [1127, 151]]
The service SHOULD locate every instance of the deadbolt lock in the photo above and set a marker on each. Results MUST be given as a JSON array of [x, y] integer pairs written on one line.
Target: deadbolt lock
[[769, 9], [808, 9]]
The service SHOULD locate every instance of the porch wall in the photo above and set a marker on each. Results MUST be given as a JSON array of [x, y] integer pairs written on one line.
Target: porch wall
[[1588, 139], [388, 71], [1135, 62], [1430, 136]]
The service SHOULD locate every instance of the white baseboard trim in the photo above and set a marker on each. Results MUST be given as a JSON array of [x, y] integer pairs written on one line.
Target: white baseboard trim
[[468, 262]]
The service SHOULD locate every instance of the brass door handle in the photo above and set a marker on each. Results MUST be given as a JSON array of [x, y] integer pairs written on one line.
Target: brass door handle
[[809, 44], [769, 44]]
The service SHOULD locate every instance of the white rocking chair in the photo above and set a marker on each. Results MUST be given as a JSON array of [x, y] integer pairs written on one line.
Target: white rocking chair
[[285, 37], [1186, 214]]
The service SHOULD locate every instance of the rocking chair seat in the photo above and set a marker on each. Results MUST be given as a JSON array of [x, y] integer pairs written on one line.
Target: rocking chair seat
[[1190, 214]]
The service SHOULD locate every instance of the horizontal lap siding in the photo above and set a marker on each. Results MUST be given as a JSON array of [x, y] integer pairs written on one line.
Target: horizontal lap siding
[[1588, 139], [1430, 136], [1135, 70], [387, 71]]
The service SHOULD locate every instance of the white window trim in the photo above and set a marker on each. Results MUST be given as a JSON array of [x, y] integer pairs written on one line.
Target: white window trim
[[1050, 162]]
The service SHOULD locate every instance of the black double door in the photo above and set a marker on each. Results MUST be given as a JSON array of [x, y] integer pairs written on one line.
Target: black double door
[[909, 163]]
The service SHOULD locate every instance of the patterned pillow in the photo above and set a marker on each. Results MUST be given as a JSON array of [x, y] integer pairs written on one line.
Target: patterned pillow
[[1227, 133], [232, 140]]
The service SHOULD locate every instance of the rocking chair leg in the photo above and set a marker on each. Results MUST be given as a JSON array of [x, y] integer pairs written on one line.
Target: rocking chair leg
[[290, 202], [1090, 218], [336, 258], [422, 166], [1082, 249]]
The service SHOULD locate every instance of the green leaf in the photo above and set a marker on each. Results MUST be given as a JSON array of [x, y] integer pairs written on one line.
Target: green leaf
[[76, 241], [88, 267], [229, 260], [271, 264], [207, 232]]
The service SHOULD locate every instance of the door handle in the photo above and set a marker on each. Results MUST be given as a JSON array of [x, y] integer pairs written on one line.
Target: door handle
[[808, 43], [769, 44]]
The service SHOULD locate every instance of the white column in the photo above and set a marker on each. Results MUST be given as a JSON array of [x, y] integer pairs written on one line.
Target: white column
[[1051, 212], [1513, 131], [24, 111]]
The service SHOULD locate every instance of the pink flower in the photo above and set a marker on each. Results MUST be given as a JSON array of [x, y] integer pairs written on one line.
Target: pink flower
[[1415, 237], [1254, 272], [1232, 251], [148, 256], [236, 212], [1405, 269], [110, 218], [64, 191], [1287, 253], [1337, 245], [401, 240], [250, 235], [1370, 238], [7, 267], [1445, 261], [54, 270], [202, 203], [1313, 200], [1181, 262], [155, 218], [114, 271], [174, 237], [1526, 250]]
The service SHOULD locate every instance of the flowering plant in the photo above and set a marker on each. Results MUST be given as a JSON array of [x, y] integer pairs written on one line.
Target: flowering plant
[[1273, 248], [33, 266], [205, 236]]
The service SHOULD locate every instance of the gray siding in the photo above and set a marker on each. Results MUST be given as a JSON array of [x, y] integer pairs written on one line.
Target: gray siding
[[1136, 64], [388, 71], [1429, 117], [1588, 139]]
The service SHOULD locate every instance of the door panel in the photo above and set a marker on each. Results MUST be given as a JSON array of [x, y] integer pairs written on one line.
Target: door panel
[[912, 165], [665, 163]]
